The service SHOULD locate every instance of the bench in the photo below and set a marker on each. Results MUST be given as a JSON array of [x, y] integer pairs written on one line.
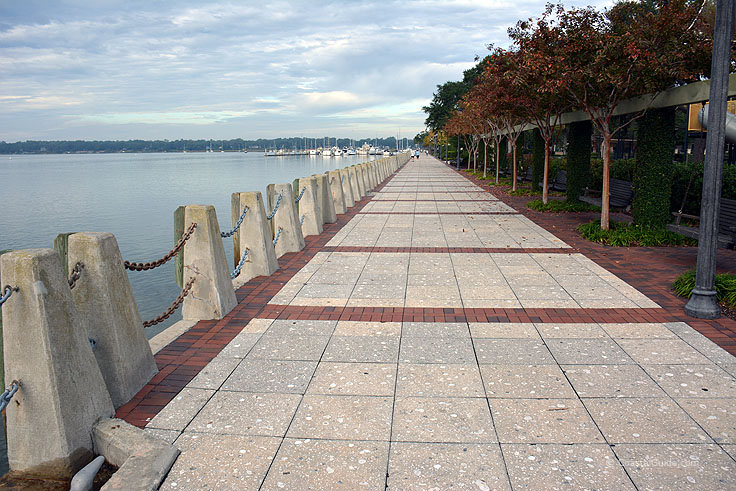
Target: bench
[[726, 224], [528, 175], [621, 195], [560, 182]]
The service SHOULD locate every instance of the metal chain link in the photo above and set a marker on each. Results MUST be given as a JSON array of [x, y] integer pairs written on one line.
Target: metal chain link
[[301, 220], [236, 271], [225, 235], [7, 291], [6, 396], [298, 198], [166, 258], [276, 207], [76, 274], [172, 308], [276, 239]]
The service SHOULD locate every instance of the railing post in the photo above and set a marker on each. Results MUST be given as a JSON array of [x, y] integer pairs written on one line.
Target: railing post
[[105, 303], [309, 207], [347, 188], [354, 185], [324, 198], [291, 238], [338, 196], [254, 235], [62, 392], [212, 295]]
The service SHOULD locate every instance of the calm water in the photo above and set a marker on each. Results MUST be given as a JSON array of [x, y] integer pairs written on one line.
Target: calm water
[[134, 197]]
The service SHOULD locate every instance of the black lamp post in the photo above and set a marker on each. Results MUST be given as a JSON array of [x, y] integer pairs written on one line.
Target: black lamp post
[[703, 303]]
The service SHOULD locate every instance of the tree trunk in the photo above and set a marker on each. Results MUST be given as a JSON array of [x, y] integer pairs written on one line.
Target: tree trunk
[[545, 184], [605, 198], [498, 155], [513, 175], [485, 159]]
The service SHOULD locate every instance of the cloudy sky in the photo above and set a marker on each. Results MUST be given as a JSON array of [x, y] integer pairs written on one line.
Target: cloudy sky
[[103, 69]]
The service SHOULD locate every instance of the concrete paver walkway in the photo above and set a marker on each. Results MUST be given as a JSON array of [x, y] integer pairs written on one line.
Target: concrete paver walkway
[[302, 398]]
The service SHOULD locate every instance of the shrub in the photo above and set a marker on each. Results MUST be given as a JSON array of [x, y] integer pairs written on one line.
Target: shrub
[[556, 206], [537, 159], [620, 169], [725, 287], [578, 158], [681, 176], [623, 234]]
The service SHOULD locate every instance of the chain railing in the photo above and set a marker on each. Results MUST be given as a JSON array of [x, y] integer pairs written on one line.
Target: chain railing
[[173, 252], [225, 235], [276, 239], [301, 220], [172, 308], [236, 271], [7, 291], [299, 198], [76, 274], [275, 207], [6, 396]]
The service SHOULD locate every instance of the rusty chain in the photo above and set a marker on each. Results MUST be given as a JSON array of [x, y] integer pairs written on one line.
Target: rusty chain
[[172, 308], [173, 252], [76, 273]]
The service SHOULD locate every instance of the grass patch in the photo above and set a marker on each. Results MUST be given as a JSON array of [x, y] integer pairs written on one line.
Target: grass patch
[[629, 235], [557, 206], [725, 287]]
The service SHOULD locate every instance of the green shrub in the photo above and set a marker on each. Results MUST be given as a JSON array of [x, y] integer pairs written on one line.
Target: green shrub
[[681, 176], [537, 159], [556, 206], [578, 158], [623, 234], [620, 169], [725, 287]]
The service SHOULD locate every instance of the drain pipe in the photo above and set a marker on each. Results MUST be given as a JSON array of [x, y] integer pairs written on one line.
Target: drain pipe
[[83, 480]]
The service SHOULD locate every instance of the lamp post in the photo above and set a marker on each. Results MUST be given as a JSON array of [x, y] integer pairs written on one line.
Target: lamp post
[[703, 303]]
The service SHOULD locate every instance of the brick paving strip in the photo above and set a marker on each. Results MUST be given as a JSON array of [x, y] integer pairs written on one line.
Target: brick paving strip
[[429, 350]]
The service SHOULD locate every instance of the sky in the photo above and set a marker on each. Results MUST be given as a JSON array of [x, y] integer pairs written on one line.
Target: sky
[[109, 70]]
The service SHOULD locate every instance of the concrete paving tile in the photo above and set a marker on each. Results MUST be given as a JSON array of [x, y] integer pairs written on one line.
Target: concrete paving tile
[[369, 379], [214, 374], [587, 352], [730, 449], [375, 302], [445, 350], [246, 413], [661, 351], [644, 420], [427, 380], [181, 410], [323, 290], [254, 375], [284, 327], [543, 421], [202, 459], [168, 436], [432, 292], [442, 420], [357, 328], [295, 347], [319, 302], [325, 464], [343, 418], [240, 346], [618, 303], [449, 302], [611, 381], [693, 380], [543, 303], [678, 466], [256, 326], [556, 467], [490, 303], [503, 330], [716, 416], [730, 368], [525, 381], [570, 330], [379, 291], [446, 466], [435, 329], [638, 330], [512, 352], [362, 349]]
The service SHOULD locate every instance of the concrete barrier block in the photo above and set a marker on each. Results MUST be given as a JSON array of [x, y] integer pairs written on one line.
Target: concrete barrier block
[[347, 188], [253, 235], [364, 177], [358, 192], [290, 238], [336, 189], [324, 199], [372, 175], [105, 302], [62, 392], [308, 207], [212, 295]]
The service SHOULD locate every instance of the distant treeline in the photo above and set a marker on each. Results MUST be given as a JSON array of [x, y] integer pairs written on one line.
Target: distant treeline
[[238, 144]]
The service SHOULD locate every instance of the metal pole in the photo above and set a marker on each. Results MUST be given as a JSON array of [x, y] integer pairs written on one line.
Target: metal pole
[[458, 152], [703, 303]]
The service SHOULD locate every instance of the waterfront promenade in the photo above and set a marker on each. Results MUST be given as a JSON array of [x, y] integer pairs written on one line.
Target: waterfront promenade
[[434, 337]]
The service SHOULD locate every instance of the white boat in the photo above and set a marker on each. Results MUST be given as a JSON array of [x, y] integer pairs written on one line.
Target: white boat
[[336, 152], [313, 152], [387, 152], [327, 152], [351, 151], [270, 153], [372, 150]]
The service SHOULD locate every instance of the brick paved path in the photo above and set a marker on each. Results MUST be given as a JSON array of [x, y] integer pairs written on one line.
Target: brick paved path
[[436, 338]]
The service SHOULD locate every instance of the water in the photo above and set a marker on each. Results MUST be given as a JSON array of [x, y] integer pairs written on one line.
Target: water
[[134, 197]]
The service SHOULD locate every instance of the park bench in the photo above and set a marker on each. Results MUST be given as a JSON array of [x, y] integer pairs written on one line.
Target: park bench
[[726, 224], [560, 182], [621, 195]]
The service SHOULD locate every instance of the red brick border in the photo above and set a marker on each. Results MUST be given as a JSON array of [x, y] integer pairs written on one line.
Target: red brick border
[[444, 250], [440, 213]]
